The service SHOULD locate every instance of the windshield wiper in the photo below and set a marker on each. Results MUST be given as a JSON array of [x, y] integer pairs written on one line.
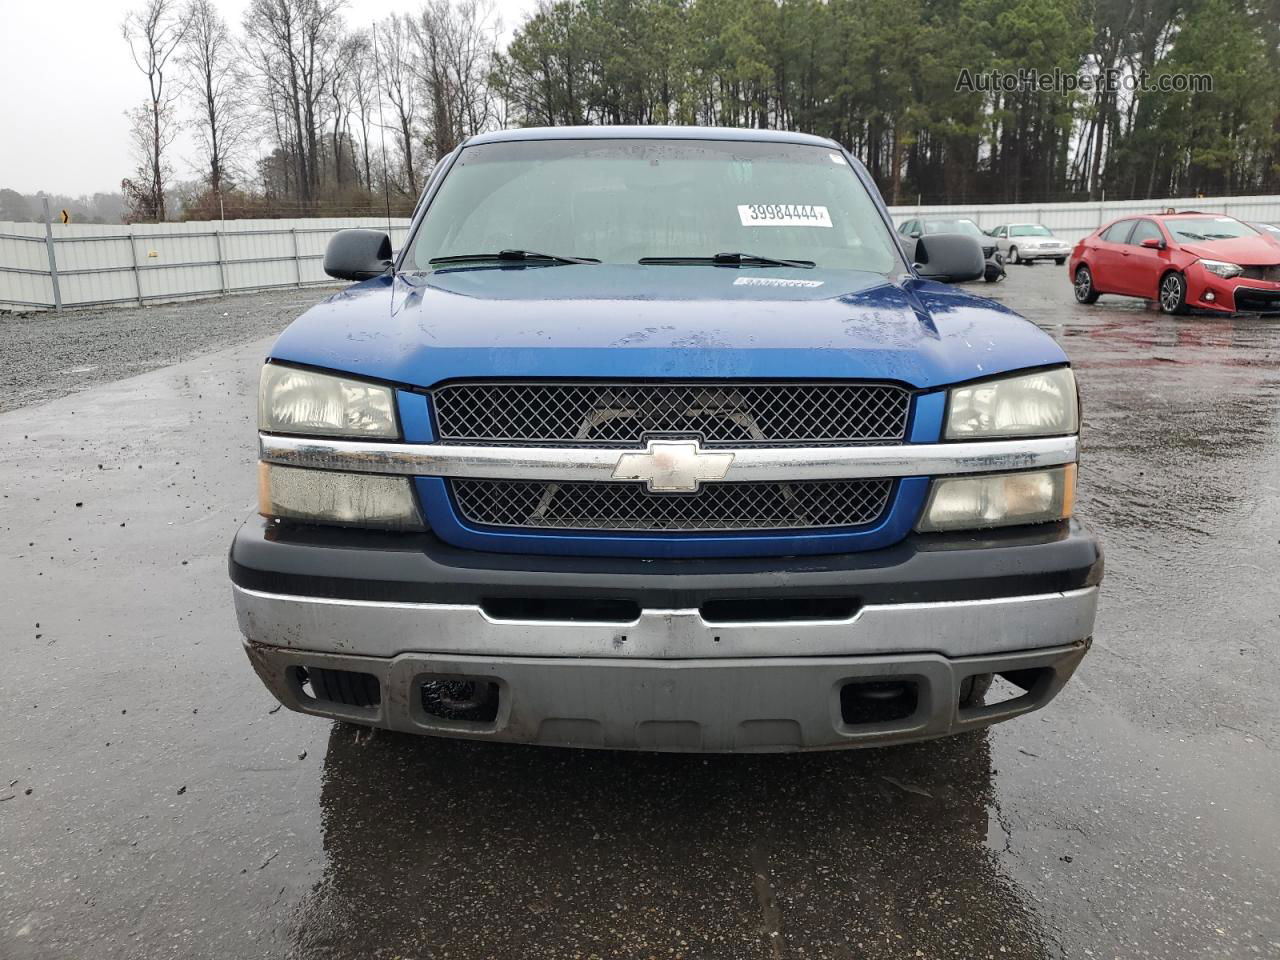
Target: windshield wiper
[[734, 260], [512, 256]]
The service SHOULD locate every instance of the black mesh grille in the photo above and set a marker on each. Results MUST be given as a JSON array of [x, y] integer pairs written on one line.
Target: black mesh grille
[[630, 506], [624, 414], [1271, 273]]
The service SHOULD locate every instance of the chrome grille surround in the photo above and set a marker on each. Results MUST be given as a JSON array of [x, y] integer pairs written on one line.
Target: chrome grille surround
[[781, 492], [760, 464], [624, 414], [619, 506]]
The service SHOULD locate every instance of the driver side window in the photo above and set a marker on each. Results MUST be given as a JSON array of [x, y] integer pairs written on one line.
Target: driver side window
[[1146, 229]]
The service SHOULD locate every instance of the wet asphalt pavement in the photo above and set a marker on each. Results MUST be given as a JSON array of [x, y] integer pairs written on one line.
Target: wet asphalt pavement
[[161, 807]]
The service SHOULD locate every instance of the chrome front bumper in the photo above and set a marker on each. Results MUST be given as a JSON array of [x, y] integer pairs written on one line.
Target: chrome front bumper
[[671, 680], [962, 628]]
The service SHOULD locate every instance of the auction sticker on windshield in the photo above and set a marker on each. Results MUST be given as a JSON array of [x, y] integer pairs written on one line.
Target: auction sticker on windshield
[[775, 282], [783, 215]]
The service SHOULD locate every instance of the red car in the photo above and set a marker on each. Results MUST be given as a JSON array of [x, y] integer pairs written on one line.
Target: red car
[[1181, 261]]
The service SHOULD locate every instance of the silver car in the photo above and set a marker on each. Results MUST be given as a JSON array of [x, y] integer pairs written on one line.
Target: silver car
[[1029, 242]]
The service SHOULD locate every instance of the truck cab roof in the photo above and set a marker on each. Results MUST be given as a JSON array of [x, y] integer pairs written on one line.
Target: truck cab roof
[[651, 133]]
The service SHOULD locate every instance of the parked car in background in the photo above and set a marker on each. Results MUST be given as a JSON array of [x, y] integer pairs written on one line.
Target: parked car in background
[[1029, 242], [963, 226], [1182, 260]]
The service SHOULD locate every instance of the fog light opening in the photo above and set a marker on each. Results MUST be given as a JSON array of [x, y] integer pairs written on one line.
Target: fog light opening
[[1013, 688], [973, 689], [1000, 693], [465, 699], [865, 702]]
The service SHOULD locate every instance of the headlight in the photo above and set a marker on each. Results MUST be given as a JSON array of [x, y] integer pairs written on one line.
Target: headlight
[[1222, 268], [327, 496], [999, 500], [1032, 405], [317, 404]]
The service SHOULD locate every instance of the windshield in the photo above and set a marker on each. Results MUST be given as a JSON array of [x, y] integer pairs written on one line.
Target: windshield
[[1200, 229], [620, 200], [1030, 230], [953, 226]]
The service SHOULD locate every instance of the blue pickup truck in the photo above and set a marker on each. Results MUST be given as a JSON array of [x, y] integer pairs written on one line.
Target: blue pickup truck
[[656, 438]]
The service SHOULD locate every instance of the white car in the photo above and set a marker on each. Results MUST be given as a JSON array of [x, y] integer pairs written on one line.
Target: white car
[[1029, 242]]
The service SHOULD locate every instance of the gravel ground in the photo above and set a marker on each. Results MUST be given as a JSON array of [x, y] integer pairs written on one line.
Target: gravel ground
[[49, 355]]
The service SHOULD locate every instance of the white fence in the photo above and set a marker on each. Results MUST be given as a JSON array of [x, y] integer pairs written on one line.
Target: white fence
[[86, 265], [1071, 221]]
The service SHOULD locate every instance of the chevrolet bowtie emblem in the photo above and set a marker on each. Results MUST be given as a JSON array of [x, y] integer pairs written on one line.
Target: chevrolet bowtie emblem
[[673, 466]]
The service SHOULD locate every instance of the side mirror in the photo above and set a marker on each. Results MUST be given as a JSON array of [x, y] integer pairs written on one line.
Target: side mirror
[[357, 254], [915, 234], [1154, 243], [950, 257]]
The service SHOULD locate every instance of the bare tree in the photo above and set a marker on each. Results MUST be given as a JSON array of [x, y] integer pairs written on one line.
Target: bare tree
[[455, 51], [154, 32], [215, 85], [344, 101], [292, 44], [395, 63], [364, 89], [473, 56]]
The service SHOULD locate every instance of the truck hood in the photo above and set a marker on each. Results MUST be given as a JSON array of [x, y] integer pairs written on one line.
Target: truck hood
[[633, 321]]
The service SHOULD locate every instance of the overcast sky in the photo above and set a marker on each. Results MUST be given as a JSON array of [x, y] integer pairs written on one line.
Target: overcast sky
[[67, 79]]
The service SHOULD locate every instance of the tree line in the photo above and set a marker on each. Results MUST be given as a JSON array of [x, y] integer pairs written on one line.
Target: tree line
[[881, 78], [296, 111]]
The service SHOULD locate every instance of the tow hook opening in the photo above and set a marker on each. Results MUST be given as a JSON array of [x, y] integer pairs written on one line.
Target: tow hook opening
[[455, 699], [877, 701]]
